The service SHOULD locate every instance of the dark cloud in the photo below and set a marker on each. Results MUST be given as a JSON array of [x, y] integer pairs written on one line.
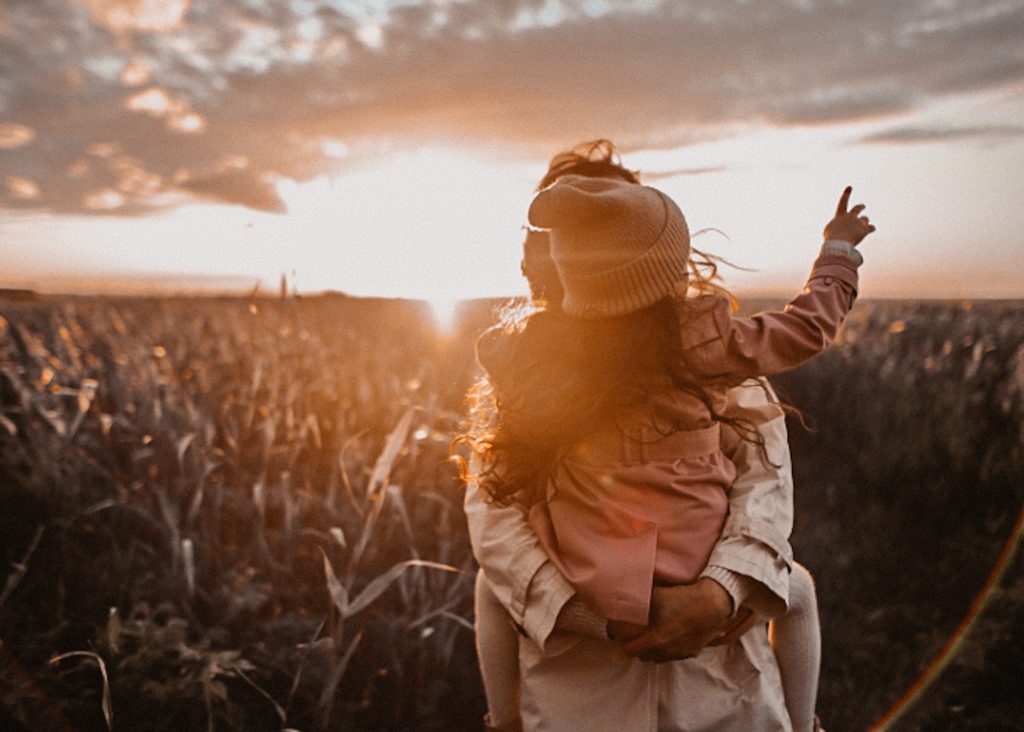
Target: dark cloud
[[911, 135], [237, 187], [219, 98]]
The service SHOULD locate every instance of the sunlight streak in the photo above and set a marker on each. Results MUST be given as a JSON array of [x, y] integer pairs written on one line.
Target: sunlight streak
[[445, 312]]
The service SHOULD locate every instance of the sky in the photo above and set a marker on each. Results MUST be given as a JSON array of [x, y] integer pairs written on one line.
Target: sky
[[392, 147]]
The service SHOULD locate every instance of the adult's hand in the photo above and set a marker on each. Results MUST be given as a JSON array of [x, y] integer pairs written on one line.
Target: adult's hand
[[734, 627], [684, 619]]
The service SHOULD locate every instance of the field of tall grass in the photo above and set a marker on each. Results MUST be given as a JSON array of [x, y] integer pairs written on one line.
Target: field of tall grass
[[237, 514]]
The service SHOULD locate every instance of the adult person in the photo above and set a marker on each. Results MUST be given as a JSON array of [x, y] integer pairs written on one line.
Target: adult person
[[565, 653]]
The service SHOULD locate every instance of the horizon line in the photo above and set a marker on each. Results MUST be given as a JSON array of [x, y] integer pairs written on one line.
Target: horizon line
[[10, 294]]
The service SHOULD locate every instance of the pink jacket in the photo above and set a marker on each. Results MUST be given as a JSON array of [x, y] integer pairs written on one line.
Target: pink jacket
[[630, 507]]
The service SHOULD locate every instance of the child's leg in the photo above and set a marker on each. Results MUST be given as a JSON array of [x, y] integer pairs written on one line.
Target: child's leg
[[497, 645], [796, 639]]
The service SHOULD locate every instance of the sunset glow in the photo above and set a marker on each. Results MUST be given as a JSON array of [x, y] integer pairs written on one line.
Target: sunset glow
[[444, 311], [283, 426], [380, 149]]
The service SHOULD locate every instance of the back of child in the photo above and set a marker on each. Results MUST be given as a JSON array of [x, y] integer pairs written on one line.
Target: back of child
[[642, 496], [642, 499]]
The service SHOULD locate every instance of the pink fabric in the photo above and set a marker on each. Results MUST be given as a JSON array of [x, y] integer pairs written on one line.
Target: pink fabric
[[613, 530], [616, 526]]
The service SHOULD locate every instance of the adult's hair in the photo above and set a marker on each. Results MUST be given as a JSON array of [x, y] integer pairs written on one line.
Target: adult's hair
[[551, 379], [594, 159]]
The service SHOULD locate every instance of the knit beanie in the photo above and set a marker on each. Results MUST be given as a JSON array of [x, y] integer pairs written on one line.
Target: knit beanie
[[618, 247]]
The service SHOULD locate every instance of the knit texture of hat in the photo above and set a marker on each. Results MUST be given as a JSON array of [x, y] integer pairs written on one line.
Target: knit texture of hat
[[618, 247]]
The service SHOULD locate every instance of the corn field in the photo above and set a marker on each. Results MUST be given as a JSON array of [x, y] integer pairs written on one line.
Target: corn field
[[238, 514]]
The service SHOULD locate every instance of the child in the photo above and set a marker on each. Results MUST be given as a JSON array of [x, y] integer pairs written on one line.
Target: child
[[608, 413]]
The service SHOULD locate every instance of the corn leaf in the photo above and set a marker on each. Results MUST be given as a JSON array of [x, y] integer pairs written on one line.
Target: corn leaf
[[377, 587], [339, 595], [108, 710], [386, 460]]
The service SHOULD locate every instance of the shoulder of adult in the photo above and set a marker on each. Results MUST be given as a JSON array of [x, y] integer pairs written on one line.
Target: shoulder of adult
[[753, 400]]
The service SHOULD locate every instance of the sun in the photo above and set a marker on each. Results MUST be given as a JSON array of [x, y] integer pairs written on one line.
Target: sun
[[438, 224], [445, 311]]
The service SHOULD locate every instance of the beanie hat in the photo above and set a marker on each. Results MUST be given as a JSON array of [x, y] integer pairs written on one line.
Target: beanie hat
[[618, 247]]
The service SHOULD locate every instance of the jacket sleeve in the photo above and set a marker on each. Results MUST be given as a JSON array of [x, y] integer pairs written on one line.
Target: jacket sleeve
[[718, 346], [516, 567], [753, 558]]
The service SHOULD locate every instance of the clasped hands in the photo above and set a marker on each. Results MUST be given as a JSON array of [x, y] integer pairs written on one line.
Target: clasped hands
[[685, 619]]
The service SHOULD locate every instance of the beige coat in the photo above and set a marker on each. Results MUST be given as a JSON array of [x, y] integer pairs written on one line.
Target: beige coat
[[575, 684]]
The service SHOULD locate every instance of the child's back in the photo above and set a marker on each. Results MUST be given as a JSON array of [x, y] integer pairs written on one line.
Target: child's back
[[641, 497]]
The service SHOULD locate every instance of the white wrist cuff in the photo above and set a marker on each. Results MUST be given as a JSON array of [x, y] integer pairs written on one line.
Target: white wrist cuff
[[843, 249]]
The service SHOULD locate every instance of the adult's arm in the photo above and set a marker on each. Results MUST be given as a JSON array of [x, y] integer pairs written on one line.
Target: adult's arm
[[753, 558], [517, 568], [750, 561]]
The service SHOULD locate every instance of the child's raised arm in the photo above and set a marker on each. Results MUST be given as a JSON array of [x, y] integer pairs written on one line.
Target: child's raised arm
[[718, 346]]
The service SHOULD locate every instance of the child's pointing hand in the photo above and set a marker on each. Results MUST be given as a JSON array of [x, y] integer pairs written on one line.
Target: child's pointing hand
[[848, 226]]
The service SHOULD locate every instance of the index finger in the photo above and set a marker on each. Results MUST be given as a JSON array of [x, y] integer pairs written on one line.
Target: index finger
[[844, 201]]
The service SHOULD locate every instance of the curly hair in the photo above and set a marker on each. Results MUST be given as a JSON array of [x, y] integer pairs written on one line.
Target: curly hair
[[594, 158]]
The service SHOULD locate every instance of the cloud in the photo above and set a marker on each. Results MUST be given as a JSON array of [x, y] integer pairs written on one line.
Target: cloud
[[912, 135], [679, 172], [21, 188], [137, 15], [237, 187], [13, 136], [176, 86]]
